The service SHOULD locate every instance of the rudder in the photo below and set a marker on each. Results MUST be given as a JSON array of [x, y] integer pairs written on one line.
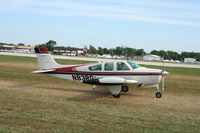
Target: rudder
[[45, 60]]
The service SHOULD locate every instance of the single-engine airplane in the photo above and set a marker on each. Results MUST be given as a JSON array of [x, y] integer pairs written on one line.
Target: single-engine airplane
[[116, 75]]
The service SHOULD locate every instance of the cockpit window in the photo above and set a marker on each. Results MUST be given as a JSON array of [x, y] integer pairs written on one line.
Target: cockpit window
[[109, 66], [133, 65], [95, 67], [122, 66]]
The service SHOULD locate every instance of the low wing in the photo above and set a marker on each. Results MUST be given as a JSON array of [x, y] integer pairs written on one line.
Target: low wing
[[44, 71], [116, 81], [110, 81], [132, 82]]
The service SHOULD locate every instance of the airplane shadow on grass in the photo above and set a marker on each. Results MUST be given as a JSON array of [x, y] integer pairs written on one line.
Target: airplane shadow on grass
[[92, 94], [86, 95]]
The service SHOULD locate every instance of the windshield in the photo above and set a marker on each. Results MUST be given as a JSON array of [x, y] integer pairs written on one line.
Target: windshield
[[122, 66], [95, 67], [133, 65]]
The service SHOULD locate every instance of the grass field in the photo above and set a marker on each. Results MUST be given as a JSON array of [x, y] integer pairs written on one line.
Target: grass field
[[37, 103]]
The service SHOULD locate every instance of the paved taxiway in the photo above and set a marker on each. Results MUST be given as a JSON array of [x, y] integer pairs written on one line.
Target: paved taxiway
[[95, 59]]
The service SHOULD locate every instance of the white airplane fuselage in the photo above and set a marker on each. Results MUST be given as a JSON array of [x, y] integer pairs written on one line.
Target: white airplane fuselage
[[116, 75], [145, 76]]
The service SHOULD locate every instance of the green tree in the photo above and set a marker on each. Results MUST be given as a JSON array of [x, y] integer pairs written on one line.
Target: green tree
[[50, 44], [140, 52], [21, 44], [163, 54], [155, 52], [112, 52], [92, 50], [100, 51], [173, 55], [130, 52], [119, 51], [105, 51]]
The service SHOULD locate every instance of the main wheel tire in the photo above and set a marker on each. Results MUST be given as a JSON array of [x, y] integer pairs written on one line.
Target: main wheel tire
[[158, 94], [116, 95], [124, 89]]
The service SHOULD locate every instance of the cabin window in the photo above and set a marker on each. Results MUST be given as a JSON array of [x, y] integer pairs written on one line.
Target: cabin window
[[133, 65], [109, 66], [122, 66], [95, 67]]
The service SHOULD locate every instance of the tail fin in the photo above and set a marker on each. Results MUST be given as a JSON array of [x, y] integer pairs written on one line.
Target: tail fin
[[45, 60]]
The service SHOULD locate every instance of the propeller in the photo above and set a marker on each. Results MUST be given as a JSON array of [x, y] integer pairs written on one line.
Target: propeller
[[163, 73], [163, 82]]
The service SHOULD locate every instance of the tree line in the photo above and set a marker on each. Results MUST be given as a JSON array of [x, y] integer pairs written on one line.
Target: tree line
[[131, 52], [50, 44], [19, 44], [176, 56], [126, 51]]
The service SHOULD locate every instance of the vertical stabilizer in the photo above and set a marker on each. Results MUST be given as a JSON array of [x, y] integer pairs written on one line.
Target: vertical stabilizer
[[45, 60]]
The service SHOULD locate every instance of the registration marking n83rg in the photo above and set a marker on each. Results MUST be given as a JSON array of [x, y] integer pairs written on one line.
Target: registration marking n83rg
[[82, 77]]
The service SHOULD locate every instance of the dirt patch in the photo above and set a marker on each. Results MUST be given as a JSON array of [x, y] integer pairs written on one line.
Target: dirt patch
[[101, 95]]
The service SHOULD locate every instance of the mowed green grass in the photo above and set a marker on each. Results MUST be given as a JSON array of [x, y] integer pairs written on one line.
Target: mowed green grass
[[37, 103]]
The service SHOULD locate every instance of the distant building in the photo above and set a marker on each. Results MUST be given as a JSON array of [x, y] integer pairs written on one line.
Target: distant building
[[137, 57], [189, 60], [24, 49], [14, 48], [106, 56], [116, 57], [151, 57], [7, 47], [69, 51]]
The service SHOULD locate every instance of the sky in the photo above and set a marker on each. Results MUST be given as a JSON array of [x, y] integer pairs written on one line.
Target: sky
[[147, 24]]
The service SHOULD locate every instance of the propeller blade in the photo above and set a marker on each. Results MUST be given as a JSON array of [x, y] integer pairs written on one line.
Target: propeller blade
[[163, 72], [163, 83]]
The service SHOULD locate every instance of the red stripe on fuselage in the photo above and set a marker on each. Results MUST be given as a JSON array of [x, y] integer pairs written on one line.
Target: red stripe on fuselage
[[72, 69]]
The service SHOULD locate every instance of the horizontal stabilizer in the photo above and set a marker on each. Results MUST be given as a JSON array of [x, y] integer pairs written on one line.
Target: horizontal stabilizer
[[43, 71]]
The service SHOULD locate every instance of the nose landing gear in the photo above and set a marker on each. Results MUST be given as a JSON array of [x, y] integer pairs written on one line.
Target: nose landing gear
[[158, 95]]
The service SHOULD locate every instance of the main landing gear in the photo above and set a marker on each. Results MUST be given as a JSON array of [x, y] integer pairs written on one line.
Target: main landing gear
[[124, 89], [117, 95]]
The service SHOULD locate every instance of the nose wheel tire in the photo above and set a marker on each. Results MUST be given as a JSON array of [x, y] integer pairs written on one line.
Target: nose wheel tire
[[158, 94], [116, 95], [124, 88]]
